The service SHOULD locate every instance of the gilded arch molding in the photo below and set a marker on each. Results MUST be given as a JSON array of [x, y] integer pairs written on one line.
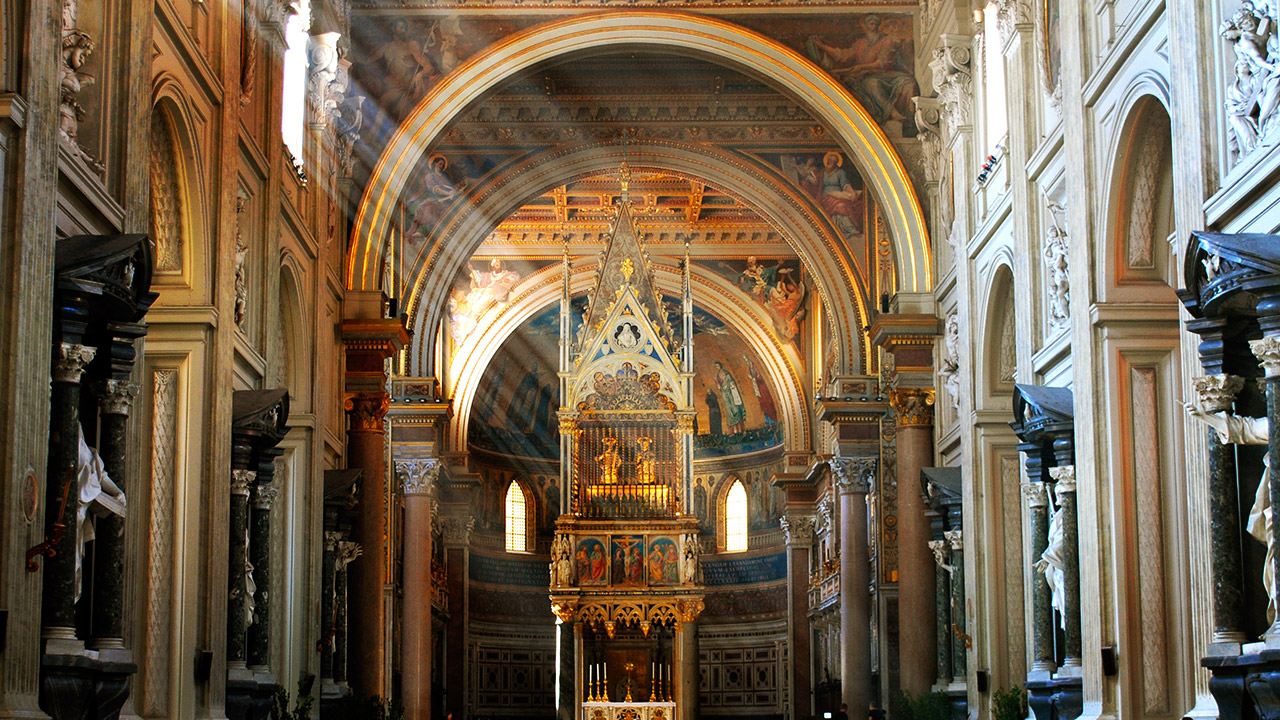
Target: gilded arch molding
[[780, 364], [787, 208], [715, 39]]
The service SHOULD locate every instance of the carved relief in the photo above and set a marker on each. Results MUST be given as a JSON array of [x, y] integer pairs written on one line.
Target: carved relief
[[242, 281], [1011, 13], [164, 410], [929, 132], [322, 71], [949, 371], [1057, 271], [76, 47], [1254, 93]]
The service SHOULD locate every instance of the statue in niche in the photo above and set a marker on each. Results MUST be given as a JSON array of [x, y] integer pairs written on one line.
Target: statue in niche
[[1250, 431], [609, 461], [950, 370], [1058, 277]]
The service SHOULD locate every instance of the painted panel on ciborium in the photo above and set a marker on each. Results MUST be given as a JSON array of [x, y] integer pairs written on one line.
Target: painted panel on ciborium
[[591, 562], [627, 568], [663, 561]]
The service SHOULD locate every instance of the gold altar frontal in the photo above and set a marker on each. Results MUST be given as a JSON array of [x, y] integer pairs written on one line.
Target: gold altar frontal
[[628, 711]]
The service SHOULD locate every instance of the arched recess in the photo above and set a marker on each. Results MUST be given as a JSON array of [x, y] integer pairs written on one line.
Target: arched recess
[[295, 371], [178, 219], [787, 208], [684, 34], [999, 353], [1139, 265], [780, 365], [1141, 458]]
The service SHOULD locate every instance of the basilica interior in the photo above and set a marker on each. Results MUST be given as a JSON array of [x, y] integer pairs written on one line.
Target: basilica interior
[[639, 359]]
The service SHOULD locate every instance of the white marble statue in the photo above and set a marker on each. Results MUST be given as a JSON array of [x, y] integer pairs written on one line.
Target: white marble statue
[[1052, 565], [96, 495], [689, 568], [1250, 431]]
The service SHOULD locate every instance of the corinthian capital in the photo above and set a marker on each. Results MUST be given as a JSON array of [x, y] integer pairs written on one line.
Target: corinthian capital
[[71, 361], [914, 406], [1267, 350], [1217, 392], [1035, 494], [115, 397], [953, 79], [367, 410], [798, 529], [419, 475], [853, 475]]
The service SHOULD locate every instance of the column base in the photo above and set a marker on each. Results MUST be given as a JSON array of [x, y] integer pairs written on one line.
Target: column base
[[249, 699], [81, 685], [1246, 686], [337, 701], [1060, 698]]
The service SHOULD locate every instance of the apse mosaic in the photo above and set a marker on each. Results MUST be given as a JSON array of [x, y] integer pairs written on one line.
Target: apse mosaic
[[514, 412]]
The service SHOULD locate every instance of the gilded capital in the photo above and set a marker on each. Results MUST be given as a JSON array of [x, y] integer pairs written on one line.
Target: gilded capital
[[71, 361], [367, 410], [853, 475], [913, 406], [568, 424]]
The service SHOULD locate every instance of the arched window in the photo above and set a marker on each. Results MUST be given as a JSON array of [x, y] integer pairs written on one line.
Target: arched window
[[517, 519], [735, 518]]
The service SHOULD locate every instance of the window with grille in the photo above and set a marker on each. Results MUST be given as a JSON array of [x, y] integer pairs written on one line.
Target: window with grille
[[517, 519], [735, 518]]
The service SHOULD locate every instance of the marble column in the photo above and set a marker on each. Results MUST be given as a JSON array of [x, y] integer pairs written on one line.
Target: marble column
[[346, 552], [1267, 349], [456, 534], [917, 641], [58, 617], [566, 643], [368, 577], [959, 638], [853, 478], [942, 610], [1065, 489], [797, 528], [419, 476], [114, 400], [259, 634], [1043, 664], [688, 669], [238, 574], [328, 607], [1217, 393]]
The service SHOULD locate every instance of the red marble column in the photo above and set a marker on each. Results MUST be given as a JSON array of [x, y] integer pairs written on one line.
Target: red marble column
[[419, 477], [917, 641], [853, 478], [369, 342], [798, 527]]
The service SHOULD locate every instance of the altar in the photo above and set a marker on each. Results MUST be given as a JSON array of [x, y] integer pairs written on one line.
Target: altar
[[628, 710]]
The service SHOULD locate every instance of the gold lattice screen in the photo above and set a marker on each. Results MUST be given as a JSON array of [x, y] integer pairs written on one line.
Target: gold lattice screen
[[626, 465]]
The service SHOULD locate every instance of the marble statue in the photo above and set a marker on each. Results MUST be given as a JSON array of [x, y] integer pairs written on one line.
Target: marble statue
[[96, 495]]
